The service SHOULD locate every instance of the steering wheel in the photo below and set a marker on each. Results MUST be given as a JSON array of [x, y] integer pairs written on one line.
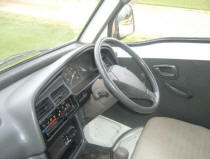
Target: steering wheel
[[124, 84]]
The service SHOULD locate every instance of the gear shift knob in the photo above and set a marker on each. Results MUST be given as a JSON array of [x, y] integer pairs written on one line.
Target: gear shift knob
[[121, 153]]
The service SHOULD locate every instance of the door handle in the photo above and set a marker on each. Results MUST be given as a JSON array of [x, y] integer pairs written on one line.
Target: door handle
[[166, 71]]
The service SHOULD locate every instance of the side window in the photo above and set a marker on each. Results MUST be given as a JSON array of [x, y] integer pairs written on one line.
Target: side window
[[150, 19]]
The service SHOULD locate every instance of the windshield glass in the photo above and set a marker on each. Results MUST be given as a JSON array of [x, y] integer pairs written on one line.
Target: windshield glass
[[31, 27]]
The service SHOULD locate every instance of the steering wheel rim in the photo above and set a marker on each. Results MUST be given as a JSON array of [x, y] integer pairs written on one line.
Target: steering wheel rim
[[114, 89]]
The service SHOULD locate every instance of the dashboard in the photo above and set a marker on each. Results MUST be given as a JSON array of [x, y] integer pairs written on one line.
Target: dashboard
[[40, 113], [59, 100]]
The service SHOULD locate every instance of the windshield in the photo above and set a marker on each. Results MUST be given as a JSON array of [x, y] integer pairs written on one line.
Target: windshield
[[31, 27]]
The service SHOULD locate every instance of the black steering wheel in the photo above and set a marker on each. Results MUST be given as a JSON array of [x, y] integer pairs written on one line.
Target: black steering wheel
[[123, 84]]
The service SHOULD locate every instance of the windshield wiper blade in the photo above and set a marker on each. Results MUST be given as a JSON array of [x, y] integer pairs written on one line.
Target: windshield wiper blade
[[18, 57]]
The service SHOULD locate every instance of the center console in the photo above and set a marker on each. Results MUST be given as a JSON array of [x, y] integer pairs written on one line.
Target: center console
[[57, 118], [68, 141], [60, 127]]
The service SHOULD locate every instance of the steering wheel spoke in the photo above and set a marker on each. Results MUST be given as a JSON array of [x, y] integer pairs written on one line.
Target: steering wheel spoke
[[150, 96]]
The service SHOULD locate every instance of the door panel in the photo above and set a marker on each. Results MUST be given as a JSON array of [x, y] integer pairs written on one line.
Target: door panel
[[193, 77], [184, 84]]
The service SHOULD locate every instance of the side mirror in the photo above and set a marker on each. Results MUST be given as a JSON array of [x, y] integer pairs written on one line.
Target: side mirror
[[124, 23]]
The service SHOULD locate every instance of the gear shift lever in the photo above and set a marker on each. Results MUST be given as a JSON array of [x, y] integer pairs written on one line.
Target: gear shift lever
[[121, 153]]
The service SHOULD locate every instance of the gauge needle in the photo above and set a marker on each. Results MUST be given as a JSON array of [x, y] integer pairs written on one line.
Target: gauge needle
[[82, 69], [72, 77]]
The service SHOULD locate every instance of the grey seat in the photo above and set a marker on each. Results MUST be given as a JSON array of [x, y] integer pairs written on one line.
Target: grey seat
[[165, 138]]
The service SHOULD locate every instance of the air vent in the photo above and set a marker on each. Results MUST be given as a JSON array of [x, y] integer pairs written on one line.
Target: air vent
[[59, 94], [43, 108]]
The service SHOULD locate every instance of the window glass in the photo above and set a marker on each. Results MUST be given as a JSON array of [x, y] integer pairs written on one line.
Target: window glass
[[166, 18]]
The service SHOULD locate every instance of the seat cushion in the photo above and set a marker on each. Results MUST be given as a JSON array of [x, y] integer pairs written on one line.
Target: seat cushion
[[165, 138]]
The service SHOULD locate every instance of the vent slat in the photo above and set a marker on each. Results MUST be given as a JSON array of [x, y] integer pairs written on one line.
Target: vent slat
[[59, 94], [43, 108]]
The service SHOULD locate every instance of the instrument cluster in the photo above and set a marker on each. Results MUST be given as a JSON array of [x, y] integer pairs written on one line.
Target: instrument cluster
[[83, 70]]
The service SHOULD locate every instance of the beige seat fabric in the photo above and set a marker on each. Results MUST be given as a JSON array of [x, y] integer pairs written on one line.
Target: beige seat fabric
[[165, 138]]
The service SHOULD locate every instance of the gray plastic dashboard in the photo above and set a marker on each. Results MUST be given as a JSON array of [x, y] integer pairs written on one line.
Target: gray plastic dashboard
[[20, 135]]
